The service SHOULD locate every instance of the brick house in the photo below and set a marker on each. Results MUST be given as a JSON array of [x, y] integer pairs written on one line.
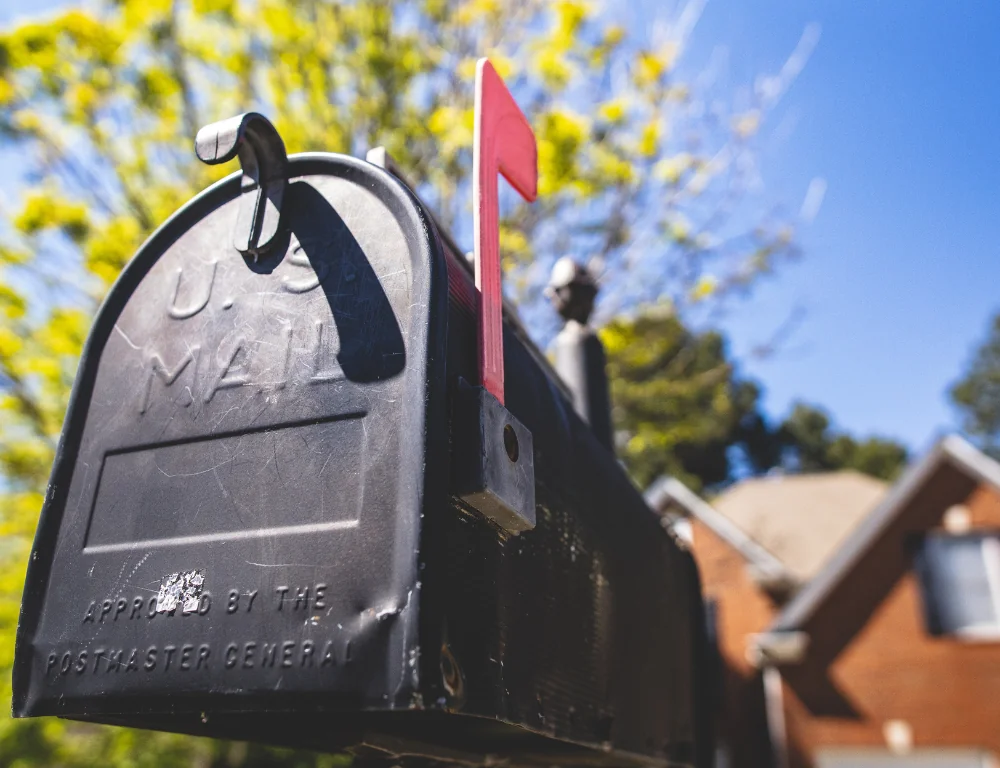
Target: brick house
[[868, 639]]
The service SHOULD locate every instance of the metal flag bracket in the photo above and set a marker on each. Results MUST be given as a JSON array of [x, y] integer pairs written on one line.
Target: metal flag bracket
[[494, 453]]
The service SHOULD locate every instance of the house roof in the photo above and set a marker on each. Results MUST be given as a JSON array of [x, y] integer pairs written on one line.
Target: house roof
[[952, 450], [667, 490], [801, 520]]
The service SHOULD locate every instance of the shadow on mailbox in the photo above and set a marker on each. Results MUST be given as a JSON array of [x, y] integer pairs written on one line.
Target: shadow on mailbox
[[370, 342], [256, 525]]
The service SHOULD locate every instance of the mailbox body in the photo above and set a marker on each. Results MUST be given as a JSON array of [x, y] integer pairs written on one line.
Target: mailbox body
[[253, 528]]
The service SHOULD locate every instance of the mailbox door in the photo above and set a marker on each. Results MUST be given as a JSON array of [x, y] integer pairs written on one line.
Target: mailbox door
[[233, 517]]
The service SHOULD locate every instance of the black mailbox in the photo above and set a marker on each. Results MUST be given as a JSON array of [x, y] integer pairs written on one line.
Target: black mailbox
[[259, 522]]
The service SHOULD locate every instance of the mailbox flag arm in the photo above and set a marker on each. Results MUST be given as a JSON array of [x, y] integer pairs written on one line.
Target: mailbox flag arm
[[504, 144]]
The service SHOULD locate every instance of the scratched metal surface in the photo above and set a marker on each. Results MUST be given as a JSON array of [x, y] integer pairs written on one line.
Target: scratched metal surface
[[253, 424], [251, 530], [585, 628]]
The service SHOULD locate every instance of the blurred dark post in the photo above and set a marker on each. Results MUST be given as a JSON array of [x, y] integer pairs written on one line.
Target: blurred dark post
[[579, 354]]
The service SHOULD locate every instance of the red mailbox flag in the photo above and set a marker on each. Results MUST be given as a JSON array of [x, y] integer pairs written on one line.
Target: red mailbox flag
[[504, 143]]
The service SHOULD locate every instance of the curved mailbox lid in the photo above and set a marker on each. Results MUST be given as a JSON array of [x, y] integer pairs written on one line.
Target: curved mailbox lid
[[236, 502]]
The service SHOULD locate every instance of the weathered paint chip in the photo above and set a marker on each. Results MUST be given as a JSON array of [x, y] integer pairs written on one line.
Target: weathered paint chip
[[182, 589]]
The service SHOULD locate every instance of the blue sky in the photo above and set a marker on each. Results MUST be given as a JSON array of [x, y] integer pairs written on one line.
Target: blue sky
[[898, 110]]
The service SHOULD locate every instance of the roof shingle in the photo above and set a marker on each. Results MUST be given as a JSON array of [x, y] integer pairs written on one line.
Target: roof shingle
[[801, 519]]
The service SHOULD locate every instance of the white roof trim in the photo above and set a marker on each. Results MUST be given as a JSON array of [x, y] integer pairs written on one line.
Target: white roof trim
[[952, 449], [671, 488]]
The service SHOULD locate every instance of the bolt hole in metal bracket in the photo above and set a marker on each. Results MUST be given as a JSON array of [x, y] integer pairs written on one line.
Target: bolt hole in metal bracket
[[492, 459], [255, 140]]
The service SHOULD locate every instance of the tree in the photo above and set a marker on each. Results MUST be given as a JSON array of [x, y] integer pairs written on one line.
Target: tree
[[809, 445], [100, 107], [977, 394], [681, 408], [678, 406]]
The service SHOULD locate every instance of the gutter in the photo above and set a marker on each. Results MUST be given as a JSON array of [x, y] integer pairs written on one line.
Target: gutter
[[774, 709], [765, 568], [774, 649], [768, 651]]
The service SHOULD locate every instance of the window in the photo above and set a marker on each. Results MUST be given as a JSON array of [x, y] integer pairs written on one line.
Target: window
[[960, 578]]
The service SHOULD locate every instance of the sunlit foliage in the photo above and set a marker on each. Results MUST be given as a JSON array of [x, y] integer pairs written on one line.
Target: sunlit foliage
[[682, 408], [977, 394], [679, 405]]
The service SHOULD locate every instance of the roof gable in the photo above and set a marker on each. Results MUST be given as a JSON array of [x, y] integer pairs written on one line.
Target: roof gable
[[669, 489], [801, 519], [953, 451]]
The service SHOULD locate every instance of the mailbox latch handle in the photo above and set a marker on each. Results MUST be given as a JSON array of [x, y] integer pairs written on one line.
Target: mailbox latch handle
[[255, 140]]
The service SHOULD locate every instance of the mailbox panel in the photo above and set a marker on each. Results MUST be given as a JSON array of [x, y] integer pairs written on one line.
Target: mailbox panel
[[235, 507]]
